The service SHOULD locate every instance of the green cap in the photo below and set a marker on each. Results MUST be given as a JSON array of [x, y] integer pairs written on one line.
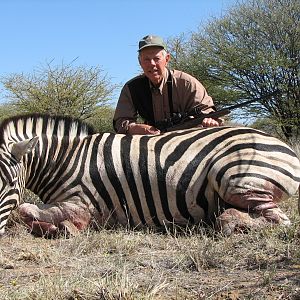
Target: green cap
[[151, 41]]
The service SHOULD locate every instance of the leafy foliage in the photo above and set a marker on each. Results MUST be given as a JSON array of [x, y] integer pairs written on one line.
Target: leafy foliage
[[251, 52], [59, 90], [102, 119], [6, 111]]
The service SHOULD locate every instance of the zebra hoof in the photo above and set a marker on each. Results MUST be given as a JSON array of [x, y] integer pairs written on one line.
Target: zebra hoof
[[229, 227], [276, 216], [235, 221], [42, 229]]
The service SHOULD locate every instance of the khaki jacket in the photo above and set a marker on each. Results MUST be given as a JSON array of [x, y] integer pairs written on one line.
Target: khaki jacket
[[187, 92]]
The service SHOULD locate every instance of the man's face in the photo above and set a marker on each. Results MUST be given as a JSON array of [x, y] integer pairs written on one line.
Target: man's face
[[153, 63]]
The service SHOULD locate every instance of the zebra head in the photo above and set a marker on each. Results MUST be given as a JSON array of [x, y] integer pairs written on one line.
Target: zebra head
[[12, 176]]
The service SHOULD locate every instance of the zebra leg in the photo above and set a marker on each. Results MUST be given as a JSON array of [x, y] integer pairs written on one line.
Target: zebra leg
[[51, 219], [252, 211], [233, 220]]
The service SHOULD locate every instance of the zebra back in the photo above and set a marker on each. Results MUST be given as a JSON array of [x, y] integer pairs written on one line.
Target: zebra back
[[27, 126]]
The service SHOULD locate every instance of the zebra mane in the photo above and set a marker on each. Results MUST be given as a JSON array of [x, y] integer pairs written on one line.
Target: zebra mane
[[29, 125]]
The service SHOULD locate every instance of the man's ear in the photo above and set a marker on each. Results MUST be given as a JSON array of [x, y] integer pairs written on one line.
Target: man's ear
[[168, 57]]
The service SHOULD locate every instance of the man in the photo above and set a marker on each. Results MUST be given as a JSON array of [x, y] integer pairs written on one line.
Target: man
[[158, 93]]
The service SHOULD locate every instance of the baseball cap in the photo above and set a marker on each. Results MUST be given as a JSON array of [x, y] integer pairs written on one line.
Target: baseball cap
[[151, 41]]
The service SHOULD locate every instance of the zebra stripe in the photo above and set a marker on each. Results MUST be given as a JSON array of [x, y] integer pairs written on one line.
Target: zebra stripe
[[143, 180]]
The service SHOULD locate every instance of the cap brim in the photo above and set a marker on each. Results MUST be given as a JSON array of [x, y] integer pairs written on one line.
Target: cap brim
[[152, 45]]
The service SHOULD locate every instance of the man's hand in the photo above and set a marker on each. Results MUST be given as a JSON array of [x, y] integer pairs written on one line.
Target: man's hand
[[134, 128], [210, 122]]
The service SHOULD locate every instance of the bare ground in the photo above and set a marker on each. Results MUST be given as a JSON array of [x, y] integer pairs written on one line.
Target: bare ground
[[126, 264]]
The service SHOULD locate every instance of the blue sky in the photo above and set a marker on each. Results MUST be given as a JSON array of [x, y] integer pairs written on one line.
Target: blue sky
[[95, 33]]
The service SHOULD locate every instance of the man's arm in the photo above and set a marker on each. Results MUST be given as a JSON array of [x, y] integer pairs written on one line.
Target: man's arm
[[125, 117], [125, 112]]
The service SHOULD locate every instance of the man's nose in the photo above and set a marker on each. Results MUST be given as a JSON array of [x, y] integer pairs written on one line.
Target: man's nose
[[152, 62]]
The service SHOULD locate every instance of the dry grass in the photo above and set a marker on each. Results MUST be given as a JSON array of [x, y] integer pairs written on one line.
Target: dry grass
[[125, 264]]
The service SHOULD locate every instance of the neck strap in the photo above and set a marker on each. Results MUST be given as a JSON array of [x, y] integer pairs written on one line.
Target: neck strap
[[170, 96]]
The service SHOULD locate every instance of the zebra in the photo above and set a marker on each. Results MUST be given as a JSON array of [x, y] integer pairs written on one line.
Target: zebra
[[227, 176]]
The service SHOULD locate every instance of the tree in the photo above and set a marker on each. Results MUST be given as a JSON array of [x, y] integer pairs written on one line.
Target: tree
[[251, 52], [186, 57], [59, 90], [6, 111], [102, 119]]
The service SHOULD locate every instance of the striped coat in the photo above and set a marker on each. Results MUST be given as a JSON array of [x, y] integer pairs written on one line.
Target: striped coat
[[178, 177]]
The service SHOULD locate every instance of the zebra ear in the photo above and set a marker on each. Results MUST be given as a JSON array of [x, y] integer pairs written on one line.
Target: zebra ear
[[19, 149]]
